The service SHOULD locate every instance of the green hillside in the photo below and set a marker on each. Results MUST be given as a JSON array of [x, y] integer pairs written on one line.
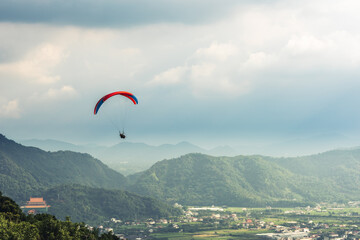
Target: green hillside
[[74, 184], [95, 205], [340, 168], [198, 179], [27, 170], [16, 225], [193, 179]]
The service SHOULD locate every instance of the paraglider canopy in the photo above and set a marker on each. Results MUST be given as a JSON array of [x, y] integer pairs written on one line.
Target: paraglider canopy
[[106, 97]]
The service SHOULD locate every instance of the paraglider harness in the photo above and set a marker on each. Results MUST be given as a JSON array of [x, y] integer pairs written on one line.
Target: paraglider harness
[[122, 134]]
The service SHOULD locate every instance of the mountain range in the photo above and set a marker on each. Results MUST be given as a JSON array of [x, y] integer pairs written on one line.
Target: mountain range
[[30, 168], [198, 179], [75, 184], [191, 179], [128, 158]]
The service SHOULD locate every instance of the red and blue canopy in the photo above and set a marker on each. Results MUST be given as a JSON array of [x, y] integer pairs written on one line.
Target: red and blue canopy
[[106, 97]]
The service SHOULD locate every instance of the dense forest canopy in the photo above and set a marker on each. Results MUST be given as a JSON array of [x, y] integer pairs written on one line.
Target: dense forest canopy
[[198, 179], [16, 225]]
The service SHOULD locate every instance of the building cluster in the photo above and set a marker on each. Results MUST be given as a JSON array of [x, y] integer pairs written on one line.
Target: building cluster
[[35, 205], [312, 231], [298, 235]]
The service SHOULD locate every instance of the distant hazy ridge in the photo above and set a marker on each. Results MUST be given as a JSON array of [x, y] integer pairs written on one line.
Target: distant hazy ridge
[[127, 157]]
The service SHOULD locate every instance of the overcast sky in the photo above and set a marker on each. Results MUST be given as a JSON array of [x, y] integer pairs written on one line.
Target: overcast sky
[[204, 71]]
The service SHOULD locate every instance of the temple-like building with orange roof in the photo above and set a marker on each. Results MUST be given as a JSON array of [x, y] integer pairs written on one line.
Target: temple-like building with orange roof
[[35, 205]]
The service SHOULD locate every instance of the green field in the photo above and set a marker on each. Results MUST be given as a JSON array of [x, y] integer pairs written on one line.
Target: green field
[[219, 234]]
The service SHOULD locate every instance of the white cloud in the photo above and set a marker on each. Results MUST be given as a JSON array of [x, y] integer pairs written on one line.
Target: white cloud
[[217, 51], [130, 52], [336, 50], [171, 76], [298, 45], [202, 71], [208, 80], [37, 65], [258, 61], [65, 91], [9, 109], [208, 71]]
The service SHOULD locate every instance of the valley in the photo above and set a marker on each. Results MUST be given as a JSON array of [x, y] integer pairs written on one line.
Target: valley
[[327, 221], [313, 196]]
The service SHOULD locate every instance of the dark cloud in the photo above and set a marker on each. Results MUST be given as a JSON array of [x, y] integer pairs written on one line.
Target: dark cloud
[[113, 13]]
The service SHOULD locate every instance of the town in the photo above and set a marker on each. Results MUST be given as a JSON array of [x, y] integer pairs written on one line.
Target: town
[[323, 221]]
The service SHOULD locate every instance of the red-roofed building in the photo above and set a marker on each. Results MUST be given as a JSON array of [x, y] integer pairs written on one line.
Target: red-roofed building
[[35, 205]]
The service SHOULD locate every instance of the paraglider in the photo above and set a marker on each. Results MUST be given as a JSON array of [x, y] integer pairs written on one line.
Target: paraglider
[[122, 134], [127, 95]]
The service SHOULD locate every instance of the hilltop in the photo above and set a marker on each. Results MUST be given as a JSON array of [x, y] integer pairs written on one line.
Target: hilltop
[[198, 179]]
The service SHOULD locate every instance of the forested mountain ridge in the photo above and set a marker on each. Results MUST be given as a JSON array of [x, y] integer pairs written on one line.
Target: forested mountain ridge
[[95, 205], [323, 164], [73, 184], [341, 168], [26, 170], [200, 179]]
